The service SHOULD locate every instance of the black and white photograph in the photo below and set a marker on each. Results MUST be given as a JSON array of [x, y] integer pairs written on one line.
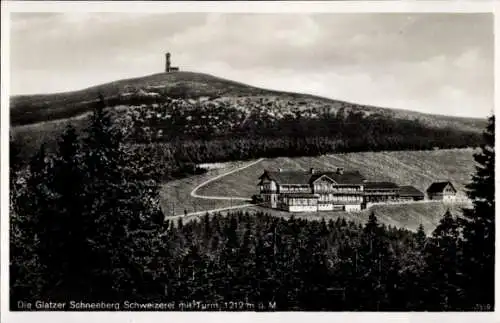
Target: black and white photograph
[[249, 161]]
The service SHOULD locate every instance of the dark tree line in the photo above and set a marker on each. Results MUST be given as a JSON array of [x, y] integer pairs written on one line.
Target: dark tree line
[[86, 225]]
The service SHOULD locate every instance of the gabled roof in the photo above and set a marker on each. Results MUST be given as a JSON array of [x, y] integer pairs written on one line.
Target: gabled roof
[[288, 177], [410, 191], [347, 177], [321, 176], [380, 185], [438, 187], [302, 177]]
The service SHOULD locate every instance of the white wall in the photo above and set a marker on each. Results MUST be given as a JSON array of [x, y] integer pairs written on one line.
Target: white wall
[[325, 207], [449, 198], [352, 207], [303, 208]]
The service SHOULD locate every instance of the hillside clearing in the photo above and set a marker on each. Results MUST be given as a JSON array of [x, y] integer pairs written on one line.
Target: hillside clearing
[[175, 196], [417, 168]]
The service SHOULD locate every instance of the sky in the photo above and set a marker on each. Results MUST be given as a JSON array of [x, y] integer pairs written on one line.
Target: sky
[[438, 63]]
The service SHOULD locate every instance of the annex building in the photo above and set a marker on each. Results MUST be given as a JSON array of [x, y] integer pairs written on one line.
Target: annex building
[[312, 191]]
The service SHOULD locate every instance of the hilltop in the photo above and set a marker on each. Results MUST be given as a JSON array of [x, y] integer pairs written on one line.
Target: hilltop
[[30, 109]]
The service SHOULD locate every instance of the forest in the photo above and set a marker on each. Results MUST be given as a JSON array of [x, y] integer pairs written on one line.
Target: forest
[[217, 132], [85, 224]]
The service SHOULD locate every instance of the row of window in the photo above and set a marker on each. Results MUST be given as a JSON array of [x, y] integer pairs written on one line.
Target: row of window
[[337, 189], [345, 198], [380, 198], [298, 201], [320, 188], [380, 192], [444, 193], [295, 188]]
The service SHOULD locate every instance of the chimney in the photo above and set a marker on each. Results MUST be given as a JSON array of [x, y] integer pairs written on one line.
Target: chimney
[[312, 170], [340, 170]]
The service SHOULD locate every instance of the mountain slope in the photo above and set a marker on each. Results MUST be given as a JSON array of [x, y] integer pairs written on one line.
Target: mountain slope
[[30, 109]]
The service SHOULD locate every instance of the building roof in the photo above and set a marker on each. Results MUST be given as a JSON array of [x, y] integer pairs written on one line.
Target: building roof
[[349, 177], [380, 185], [410, 191], [301, 177], [438, 187], [288, 177]]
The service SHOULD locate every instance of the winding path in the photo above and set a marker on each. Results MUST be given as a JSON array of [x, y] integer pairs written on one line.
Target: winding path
[[234, 198], [239, 206], [231, 198]]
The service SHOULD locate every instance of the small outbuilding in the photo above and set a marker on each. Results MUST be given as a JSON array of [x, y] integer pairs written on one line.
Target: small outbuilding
[[442, 191], [410, 193]]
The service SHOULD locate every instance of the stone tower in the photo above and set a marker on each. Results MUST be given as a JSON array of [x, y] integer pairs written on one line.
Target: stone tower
[[167, 62], [168, 67]]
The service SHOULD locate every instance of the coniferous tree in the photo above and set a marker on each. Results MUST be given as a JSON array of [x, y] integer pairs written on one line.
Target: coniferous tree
[[479, 226], [125, 208], [377, 264], [27, 279], [369, 263], [412, 289], [443, 257], [245, 259], [39, 205], [421, 237], [67, 223]]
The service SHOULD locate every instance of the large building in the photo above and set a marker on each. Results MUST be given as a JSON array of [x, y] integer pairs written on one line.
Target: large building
[[296, 191], [312, 191], [376, 192]]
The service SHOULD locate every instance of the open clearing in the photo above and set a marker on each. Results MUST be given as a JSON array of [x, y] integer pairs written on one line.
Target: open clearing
[[417, 168], [176, 196]]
